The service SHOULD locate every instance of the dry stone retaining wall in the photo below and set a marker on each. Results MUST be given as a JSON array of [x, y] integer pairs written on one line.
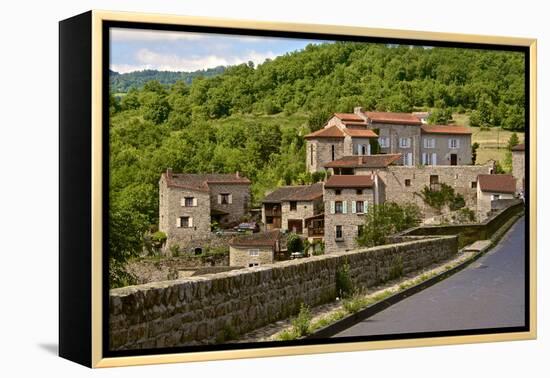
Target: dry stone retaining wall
[[211, 308]]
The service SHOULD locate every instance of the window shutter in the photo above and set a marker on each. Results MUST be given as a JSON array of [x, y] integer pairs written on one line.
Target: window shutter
[[194, 201], [332, 207], [457, 143], [434, 159], [178, 222], [426, 143], [219, 199], [365, 206], [231, 198], [344, 207], [190, 222], [182, 201], [353, 207], [424, 158]]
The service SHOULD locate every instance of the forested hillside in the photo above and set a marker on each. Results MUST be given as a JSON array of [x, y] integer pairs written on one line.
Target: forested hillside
[[121, 83], [252, 119]]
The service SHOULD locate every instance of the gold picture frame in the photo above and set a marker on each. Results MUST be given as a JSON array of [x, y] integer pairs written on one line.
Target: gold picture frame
[[92, 25]]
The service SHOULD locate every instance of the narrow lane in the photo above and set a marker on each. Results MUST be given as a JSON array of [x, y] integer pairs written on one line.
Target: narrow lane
[[489, 293]]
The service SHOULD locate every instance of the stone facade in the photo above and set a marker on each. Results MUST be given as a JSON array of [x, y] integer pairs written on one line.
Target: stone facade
[[320, 151], [171, 209], [248, 256], [392, 134], [485, 199], [349, 220], [236, 206], [303, 210], [403, 184], [201, 310], [518, 169]]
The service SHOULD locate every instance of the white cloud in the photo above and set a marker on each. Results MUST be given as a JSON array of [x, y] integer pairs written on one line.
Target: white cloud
[[128, 35], [147, 59]]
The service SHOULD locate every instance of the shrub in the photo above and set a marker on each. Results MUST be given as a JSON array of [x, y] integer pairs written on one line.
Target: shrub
[[175, 250], [294, 243], [444, 196], [300, 324], [158, 239], [355, 303], [344, 284]]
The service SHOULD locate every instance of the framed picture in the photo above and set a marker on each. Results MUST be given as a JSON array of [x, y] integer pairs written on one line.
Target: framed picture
[[234, 189]]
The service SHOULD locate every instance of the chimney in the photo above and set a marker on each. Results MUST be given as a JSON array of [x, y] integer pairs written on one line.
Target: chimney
[[360, 112]]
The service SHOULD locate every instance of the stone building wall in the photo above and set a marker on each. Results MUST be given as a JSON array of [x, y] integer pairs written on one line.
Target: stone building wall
[[170, 209], [443, 152], [322, 152], [240, 201], [304, 209], [462, 178], [240, 256], [518, 169], [204, 309], [349, 221], [393, 132], [484, 202]]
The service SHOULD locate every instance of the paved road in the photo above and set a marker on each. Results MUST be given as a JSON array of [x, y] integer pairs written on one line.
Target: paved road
[[487, 294]]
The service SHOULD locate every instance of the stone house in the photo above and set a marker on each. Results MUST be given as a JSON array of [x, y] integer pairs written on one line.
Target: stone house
[[518, 167], [347, 198], [188, 203], [492, 188], [254, 249], [288, 207], [345, 134]]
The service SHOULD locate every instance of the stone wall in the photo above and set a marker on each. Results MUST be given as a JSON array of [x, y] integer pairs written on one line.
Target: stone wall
[[304, 209], [462, 178], [240, 256], [207, 309], [443, 152], [518, 169], [322, 152], [393, 132], [240, 201], [170, 209]]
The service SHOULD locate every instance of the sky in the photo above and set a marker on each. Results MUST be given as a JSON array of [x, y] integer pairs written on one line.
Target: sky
[[135, 50]]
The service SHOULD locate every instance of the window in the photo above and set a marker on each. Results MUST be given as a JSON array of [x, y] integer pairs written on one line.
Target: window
[[407, 182], [474, 184], [333, 153], [339, 233], [293, 205], [198, 251], [337, 192], [224, 199], [189, 201], [408, 159], [384, 142], [404, 142], [253, 252], [495, 197], [429, 142], [360, 229], [359, 192], [252, 264], [185, 222], [454, 143], [338, 207], [360, 207]]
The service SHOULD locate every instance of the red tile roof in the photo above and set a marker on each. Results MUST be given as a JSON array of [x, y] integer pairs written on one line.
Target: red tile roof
[[349, 181], [368, 161], [360, 133], [329, 132], [352, 117], [497, 183], [446, 129], [519, 147], [396, 118], [260, 239], [201, 181]]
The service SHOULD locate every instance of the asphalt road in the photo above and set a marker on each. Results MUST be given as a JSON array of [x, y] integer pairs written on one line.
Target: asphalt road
[[490, 293]]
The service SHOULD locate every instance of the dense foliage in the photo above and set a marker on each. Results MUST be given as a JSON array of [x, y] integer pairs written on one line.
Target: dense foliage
[[253, 119], [443, 195], [387, 219], [122, 82]]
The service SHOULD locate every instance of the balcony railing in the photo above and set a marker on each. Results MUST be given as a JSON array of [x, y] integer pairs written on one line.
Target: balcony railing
[[272, 213], [315, 231]]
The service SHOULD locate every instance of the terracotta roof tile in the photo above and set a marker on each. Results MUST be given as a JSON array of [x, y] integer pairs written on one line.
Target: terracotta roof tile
[[349, 181], [446, 129], [349, 117], [397, 118], [497, 183], [360, 133], [260, 239], [200, 181], [368, 161], [329, 132], [295, 193], [519, 147]]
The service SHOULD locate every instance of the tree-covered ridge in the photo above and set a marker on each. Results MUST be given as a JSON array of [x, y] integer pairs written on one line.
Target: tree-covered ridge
[[123, 82], [253, 119]]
